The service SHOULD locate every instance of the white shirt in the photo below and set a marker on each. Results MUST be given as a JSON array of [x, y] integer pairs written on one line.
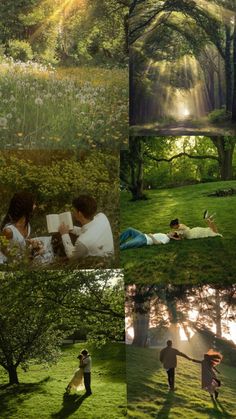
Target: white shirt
[[94, 239], [160, 237], [87, 363]]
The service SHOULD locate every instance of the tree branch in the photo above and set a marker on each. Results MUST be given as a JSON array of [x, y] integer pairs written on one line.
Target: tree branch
[[180, 155]]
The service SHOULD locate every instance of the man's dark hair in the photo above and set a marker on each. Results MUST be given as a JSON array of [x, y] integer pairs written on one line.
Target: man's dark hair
[[174, 222], [84, 352], [169, 343], [86, 204]]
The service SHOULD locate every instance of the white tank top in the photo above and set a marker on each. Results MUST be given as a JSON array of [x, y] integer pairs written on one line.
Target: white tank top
[[17, 236]]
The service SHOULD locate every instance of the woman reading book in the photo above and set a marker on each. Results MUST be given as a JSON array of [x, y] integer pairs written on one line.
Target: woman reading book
[[94, 237]]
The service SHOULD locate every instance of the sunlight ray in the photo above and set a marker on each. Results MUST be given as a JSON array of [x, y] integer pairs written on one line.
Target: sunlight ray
[[59, 14]]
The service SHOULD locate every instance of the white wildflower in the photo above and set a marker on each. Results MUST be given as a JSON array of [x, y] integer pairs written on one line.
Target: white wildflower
[[38, 101], [3, 122]]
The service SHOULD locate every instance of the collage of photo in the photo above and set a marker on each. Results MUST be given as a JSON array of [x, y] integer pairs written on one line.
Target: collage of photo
[[117, 206]]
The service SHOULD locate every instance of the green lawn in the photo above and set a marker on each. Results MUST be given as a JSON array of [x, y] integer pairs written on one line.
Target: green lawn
[[148, 395], [201, 260], [41, 392]]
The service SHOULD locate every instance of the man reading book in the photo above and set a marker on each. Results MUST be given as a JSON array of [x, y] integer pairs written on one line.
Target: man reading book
[[94, 236]]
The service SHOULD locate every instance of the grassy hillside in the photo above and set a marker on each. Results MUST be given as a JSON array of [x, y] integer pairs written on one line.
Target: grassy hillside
[[41, 392], [201, 260], [148, 395]]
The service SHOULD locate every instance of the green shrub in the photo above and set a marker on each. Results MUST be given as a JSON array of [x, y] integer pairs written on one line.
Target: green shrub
[[219, 115], [2, 51], [20, 50]]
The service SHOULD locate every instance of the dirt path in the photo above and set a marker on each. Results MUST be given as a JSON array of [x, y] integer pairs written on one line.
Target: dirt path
[[184, 127]]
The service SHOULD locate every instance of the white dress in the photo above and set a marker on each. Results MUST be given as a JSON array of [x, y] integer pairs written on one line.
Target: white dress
[[196, 232], [77, 381], [201, 233], [19, 240]]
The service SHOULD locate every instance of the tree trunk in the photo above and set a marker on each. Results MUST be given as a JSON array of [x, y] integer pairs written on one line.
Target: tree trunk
[[141, 325], [132, 90], [136, 168], [141, 315], [226, 165], [218, 314], [12, 374], [225, 153], [126, 31], [220, 89], [234, 64], [228, 69], [210, 88]]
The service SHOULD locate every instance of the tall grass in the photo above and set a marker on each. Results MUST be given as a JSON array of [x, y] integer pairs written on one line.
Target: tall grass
[[64, 108]]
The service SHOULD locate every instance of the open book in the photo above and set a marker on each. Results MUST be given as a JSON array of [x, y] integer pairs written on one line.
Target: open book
[[55, 220]]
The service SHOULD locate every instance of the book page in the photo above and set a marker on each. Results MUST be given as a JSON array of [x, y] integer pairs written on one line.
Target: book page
[[65, 217], [52, 223]]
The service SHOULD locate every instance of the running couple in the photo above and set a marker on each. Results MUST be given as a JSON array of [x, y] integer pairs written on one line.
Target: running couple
[[210, 382], [132, 238], [92, 235]]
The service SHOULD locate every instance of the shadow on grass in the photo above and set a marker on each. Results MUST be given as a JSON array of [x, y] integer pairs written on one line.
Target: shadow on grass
[[165, 410], [71, 403], [140, 381], [223, 411], [216, 411], [171, 400], [12, 395]]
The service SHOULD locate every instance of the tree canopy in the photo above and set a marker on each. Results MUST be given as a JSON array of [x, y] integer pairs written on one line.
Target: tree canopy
[[75, 31], [174, 70]]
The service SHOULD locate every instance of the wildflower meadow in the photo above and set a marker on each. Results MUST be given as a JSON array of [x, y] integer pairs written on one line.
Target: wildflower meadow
[[44, 107]]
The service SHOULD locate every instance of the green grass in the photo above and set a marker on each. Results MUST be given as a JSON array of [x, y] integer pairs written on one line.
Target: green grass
[[62, 108], [41, 392], [194, 261], [148, 395]]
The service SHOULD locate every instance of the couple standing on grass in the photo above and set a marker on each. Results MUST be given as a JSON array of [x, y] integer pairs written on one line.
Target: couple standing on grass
[[82, 376], [210, 382], [132, 238], [93, 237]]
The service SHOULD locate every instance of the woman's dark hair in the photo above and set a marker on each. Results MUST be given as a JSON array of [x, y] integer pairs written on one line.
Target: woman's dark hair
[[174, 222], [21, 205], [86, 204]]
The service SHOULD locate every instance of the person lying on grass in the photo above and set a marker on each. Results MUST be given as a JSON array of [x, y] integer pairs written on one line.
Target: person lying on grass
[[132, 238], [185, 232], [94, 237], [210, 381]]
